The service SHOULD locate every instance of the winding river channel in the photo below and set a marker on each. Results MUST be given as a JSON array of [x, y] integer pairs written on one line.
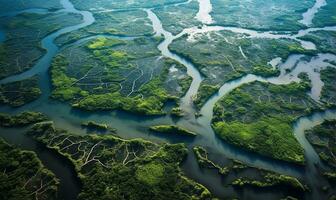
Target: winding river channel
[[133, 126]]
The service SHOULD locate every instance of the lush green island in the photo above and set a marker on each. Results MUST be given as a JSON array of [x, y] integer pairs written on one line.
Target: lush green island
[[328, 94], [116, 168], [240, 175], [24, 32], [23, 176], [97, 126], [259, 116], [115, 74], [19, 93], [283, 15], [228, 56], [171, 129], [323, 138], [22, 119]]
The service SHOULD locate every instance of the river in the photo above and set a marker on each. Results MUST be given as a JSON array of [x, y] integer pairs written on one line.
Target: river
[[133, 126]]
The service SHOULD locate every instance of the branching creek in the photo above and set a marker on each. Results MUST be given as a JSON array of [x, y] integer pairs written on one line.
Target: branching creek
[[134, 126]]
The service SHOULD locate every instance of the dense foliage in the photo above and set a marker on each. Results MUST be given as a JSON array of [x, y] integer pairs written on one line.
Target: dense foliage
[[24, 32], [114, 168], [241, 175], [323, 138], [117, 75], [21, 119], [259, 116], [23, 177], [19, 93], [328, 94], [171, 129]]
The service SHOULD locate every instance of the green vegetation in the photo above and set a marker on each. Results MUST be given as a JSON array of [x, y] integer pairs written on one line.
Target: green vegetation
[[24, 32], [325, 40], [118, 23], [176, 18], [171, 129], [17, 5], [204, 162], [95, 125], [23, 176], [127, 75], [271, 180], [331, 176], [223, 56], [20, 93], [120, 4], [265, 71], [205, 91], [177, 112], [103, 42], [116, 168], [282, 15], [259, 116], [326, 15], [250, 176], [328, 94], [268, 136], [21, 119], [323, 139]]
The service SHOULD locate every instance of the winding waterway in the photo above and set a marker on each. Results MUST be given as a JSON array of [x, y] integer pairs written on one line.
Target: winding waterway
[[132, 126]]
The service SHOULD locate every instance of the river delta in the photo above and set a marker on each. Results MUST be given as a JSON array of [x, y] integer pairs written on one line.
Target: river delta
[[167, 99]]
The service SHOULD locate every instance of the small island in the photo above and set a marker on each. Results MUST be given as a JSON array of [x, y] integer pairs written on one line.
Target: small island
[[171, 129]]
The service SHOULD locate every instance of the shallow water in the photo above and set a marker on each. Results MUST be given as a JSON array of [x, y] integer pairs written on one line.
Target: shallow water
[[309, 15], [132, 126], [203, 15]]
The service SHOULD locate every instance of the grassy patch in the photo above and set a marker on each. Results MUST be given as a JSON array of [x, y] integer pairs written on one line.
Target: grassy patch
[[21, 119], [170, 129], [259, 116], [23, 174], [19, 93], [116, 168]]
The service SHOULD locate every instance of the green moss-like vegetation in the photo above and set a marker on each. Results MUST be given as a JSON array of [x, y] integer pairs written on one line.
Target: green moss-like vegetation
[[328, 94], [99, 126], [205, 91], [23, 176], [176, 18], [120, 23], [249, 176], [223, 56], [331, 176], [177, 112], [259, 116], [114, 168], [103, 42], [24, 32], [326, 15], [127, 75], [323, 138], [17, 5], [265, 71], [21, 119], [19, 93], [204, 162], [325, 40], [170, 129], [271, 180], [122, 5], [282, 15]]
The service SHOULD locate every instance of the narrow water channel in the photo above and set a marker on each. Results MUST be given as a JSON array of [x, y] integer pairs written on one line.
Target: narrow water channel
[[132, 126]]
